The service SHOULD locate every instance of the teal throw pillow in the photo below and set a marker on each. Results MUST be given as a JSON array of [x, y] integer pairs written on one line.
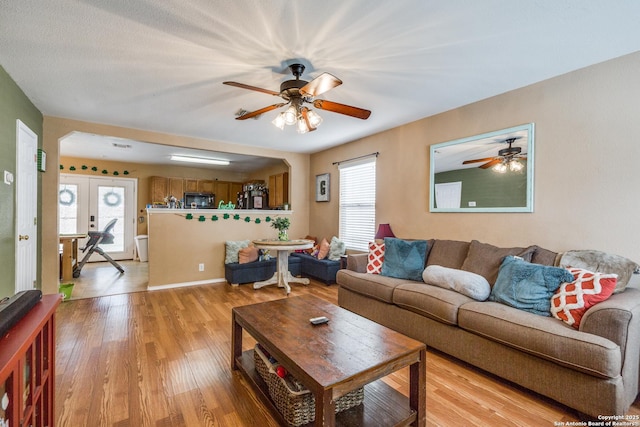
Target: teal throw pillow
[[404, 259], [528, 286]]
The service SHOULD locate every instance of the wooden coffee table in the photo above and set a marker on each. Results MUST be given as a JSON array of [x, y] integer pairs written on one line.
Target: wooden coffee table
[[333, 359]]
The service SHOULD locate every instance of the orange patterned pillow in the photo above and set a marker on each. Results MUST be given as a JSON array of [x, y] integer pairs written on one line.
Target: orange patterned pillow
[[323, 251], [375, 258], [572, 300]]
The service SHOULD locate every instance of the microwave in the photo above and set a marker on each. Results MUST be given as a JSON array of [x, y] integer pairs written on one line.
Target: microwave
[[199, 200]]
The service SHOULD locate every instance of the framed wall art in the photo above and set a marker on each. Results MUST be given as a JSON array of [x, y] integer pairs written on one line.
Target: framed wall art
[[322, 187]]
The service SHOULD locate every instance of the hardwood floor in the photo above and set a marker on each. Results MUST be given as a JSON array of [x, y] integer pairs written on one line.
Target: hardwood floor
[[101, 278], [162, 359]]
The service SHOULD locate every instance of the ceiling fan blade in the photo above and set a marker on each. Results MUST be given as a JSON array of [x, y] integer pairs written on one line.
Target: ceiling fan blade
[[260, 111], [489, 164], [486, 159], [305, 116], [321, 84], [348, 110], [258, 89]]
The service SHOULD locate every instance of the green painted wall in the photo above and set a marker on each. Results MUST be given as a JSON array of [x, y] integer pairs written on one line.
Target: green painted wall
[[14, 105], [488, 188]]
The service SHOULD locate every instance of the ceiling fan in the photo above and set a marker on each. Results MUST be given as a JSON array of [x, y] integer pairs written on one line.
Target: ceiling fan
[[296, 93], [507, 157]]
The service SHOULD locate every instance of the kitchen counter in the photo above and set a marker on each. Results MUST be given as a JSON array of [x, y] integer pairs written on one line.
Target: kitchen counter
[[190, 249]]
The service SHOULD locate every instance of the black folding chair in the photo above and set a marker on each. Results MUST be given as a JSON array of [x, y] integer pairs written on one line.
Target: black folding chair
[[95, 238]]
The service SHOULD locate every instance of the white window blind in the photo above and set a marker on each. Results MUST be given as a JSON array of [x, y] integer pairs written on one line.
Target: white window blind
[[358, 203]]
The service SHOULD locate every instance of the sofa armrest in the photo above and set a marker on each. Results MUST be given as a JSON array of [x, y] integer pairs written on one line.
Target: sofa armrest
[[614, 318], [357, 262]]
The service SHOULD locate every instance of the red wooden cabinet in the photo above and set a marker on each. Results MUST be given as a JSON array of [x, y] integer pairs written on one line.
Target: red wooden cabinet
[[27, 368]]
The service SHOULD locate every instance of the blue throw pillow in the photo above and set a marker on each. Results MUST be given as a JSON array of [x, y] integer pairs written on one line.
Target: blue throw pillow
[[528, 286], [404, 259]]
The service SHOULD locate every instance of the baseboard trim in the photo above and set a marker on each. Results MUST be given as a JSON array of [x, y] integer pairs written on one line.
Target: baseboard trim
[[185, 284]]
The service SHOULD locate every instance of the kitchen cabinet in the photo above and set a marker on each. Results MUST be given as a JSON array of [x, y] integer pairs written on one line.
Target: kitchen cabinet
[[278, 189], [158, 188], [176, 187], [222, 192], [234, 189], [206, 186], [190, 185]]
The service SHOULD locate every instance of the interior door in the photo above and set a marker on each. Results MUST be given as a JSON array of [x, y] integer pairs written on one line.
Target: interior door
[[89, 203], [26, 207]]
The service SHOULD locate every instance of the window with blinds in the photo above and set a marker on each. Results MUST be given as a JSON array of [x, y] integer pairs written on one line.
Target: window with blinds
[[358, 203]]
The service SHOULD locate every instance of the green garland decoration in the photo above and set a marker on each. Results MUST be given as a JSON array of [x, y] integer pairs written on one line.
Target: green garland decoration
[[246, 219], [95, 169]]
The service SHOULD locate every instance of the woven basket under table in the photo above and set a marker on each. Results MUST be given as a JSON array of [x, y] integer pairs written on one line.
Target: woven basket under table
[[296, 404]]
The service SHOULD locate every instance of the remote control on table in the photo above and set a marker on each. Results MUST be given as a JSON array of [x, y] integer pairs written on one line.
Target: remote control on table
[[319, 320]]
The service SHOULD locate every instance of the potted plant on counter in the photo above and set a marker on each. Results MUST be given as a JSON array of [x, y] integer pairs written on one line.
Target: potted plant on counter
[[282, 225]]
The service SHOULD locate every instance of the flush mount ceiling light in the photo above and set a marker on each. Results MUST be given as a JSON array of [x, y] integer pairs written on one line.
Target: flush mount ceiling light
[[204, 160], [296, 92]]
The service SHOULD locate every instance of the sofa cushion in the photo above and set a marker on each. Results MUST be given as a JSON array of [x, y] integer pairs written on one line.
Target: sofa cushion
[[431, 301], [404, 259], [448, 253], [374, 286], [544, 256], [375, 258], [465, 282], [573, 299], [544, 337], [485, 259], [321, 269], [528, 286], [232, 248], [601, 262]]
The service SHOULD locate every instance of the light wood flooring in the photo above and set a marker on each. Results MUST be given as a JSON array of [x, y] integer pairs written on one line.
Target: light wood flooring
[[101, 278], [162, 359]]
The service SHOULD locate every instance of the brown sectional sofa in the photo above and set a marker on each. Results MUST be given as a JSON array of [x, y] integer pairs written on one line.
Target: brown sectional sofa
[[594, 370]]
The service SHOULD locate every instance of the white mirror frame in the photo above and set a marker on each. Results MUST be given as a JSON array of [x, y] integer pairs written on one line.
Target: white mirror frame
[[480, 146]]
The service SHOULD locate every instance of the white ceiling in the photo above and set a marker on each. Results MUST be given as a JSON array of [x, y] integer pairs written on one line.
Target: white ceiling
[[159, 65]]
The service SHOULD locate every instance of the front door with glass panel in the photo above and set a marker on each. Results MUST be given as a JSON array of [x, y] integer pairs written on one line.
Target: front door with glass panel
[[88, 204]]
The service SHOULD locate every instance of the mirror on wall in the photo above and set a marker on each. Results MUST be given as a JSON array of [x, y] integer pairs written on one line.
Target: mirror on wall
[[491, 172]]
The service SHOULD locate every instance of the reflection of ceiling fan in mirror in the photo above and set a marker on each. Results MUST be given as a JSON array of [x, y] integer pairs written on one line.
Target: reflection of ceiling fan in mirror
[[508, 158], [296, 93]]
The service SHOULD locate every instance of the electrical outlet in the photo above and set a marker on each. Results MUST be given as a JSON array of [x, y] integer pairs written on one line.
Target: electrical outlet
[[201, 267]]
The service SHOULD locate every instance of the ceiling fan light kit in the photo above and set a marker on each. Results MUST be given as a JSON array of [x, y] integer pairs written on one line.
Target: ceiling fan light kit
[[296, 92], [508, 159]]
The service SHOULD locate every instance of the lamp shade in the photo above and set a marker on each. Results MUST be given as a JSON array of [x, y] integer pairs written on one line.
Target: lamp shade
[[384, 230]]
